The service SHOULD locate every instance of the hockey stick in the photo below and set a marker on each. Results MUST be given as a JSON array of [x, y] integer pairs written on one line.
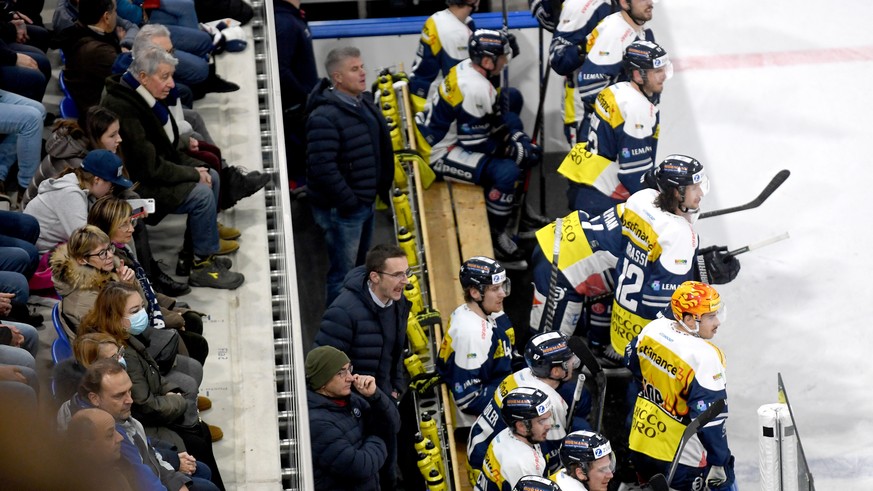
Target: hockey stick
[[777, 181], [538, 123], [577, 396], [549, 310], [693, 427], [581, 350], [783, 398], [758, 245]]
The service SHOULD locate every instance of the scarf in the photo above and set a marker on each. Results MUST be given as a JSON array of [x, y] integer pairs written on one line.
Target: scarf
[[156, 318], [159, 110]]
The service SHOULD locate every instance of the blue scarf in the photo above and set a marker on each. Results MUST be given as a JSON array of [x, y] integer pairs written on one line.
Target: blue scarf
[[156, 318], [160, 111]]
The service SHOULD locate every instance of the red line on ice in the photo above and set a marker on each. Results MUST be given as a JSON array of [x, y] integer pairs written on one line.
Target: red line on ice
[[784, 58]]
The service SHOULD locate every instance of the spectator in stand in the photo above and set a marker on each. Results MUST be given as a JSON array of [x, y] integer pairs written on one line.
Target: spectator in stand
[[61, 206], [18, 253], [20, 138], [67, 13], [87, 348], [297, 78], [97, 444], [22, 52], [177, 183]]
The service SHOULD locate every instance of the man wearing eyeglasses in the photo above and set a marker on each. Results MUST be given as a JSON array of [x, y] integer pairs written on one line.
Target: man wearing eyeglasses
[[367, 321], [349, 430]]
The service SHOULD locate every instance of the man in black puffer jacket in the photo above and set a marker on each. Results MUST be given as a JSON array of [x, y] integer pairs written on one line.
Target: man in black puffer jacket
[[347, 429], [349, 162]]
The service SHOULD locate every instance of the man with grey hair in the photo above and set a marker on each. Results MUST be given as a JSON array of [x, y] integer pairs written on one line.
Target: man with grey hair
[[194, 74], [178, 183], [349, 162]]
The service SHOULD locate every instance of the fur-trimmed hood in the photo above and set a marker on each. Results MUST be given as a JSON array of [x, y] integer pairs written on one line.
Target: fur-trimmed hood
[[69, 276]]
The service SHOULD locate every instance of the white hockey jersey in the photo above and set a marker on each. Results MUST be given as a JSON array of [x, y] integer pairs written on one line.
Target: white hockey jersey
[[507, 460]]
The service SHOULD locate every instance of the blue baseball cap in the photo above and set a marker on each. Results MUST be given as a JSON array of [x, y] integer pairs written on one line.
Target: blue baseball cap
[[107, 166]]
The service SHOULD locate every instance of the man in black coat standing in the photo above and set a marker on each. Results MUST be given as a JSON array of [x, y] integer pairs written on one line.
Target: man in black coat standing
[[349, 162], [347, 429]]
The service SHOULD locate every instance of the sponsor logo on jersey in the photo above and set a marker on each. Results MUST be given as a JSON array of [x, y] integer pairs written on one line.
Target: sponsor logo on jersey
[[625, 153], [681, 261], [641, 151], [658, 286], [701, 406], [494, 195], [470, 356], [666, 365], [442, 168]]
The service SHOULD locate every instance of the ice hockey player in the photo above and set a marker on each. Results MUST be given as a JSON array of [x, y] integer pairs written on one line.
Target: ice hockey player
[[661, 248], [588, 461], [443, 44], [515, 452], [567, 52], [535, 483], [605, 50], [587, 256], [623, 135], [476, 352], [550, 366], [681, 374], [469, 135]]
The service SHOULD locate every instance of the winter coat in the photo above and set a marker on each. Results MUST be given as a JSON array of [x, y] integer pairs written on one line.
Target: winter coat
[[151, 405], [348, 443], [296, 59], [373, 338], [60, 207], [64, 152], [349, 161], [89, 57], [163, 172], [66, 14], [78, 285]]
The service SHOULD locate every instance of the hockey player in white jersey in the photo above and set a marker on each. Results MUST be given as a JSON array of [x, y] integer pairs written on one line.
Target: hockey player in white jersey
[[588, 461], [681, 374], [567, 52], [623, 134], [469, 134], [605, 48], [661, 248], [443, 44], [476, 351], [550, 366], [515, 452]]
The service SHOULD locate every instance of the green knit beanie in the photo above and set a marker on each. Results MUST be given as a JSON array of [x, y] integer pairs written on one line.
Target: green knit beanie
[[322, 364]]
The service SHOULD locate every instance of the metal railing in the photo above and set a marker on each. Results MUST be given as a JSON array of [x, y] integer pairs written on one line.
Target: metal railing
[[293, 417]]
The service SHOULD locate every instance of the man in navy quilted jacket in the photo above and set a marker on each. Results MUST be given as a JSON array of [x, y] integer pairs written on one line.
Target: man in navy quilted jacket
[[349, 162]]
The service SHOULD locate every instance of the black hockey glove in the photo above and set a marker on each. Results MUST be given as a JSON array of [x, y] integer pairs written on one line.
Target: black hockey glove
[[513, 45], [425, 382], [524, 152], [717, 267]]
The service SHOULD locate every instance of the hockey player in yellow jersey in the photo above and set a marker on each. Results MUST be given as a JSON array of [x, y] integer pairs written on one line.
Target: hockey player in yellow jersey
[[622, 138], [443, 44], [681, 373]]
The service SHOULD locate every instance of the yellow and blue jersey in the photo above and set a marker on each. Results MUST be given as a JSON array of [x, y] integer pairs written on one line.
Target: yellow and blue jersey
[[443, 44]]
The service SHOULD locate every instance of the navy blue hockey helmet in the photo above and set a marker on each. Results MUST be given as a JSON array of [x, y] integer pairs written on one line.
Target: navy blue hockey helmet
[[545, 351], [524, 404], [535, 483], [486, 43], [583, 447], [481, 271], [646, 55]]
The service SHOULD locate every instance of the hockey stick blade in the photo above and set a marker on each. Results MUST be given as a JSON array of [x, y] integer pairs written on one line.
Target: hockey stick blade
[[758, 245], [777, 181], [693, 427], [583, 352]]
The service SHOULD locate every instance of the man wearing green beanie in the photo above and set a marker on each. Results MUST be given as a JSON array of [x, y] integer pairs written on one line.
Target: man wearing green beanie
[[348, 428]]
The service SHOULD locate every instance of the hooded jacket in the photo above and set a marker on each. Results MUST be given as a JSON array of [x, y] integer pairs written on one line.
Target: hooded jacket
[[348, 442], [60, 207], [349, 161], [371, 336], [64, 152]]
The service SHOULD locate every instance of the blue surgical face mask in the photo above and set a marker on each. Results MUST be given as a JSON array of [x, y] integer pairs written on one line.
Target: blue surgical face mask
[[138, 322], [123, 363]]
